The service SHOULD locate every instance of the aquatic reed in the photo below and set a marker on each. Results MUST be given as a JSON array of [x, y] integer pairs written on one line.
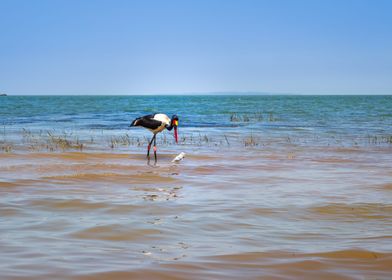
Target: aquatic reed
[[123, 140], [53, 140], [252, 117], [6, 148], [251, 141], [379, 139]]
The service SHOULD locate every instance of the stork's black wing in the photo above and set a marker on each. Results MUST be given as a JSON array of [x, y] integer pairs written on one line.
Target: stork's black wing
[[147, 122]]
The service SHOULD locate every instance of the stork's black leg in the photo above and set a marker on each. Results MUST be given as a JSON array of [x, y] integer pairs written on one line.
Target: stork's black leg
[[155, 149], [149, 146]]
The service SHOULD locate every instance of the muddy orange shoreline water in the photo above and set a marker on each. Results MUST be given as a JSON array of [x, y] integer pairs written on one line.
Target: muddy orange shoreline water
[[262, 213]]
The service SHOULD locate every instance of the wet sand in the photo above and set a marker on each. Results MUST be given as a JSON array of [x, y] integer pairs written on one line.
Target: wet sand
[[226, 213]]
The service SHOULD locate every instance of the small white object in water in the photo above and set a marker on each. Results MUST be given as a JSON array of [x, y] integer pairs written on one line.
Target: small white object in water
[[179, 157]]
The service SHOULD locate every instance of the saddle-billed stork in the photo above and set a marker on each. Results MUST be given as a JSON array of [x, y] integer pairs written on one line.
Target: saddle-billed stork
[[157, 123]]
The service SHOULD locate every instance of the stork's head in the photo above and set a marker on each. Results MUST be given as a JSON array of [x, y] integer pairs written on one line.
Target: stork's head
[[174, 123]]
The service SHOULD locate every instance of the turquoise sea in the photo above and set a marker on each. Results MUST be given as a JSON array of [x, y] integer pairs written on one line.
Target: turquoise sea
[[305, 120]]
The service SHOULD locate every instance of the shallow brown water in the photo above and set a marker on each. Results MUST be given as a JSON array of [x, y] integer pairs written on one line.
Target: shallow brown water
[[257, 213]]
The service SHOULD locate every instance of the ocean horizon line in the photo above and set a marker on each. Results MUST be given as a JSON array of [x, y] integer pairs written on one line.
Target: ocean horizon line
[[238, 93]]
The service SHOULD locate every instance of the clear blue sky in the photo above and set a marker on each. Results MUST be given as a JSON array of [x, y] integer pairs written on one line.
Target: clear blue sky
[[190, 46]]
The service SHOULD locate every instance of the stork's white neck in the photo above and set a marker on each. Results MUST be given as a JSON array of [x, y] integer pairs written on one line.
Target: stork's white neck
[[163, 118]]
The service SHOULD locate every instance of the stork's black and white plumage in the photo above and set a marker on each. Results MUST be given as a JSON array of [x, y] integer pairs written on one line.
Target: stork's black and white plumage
[[157, 123]]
